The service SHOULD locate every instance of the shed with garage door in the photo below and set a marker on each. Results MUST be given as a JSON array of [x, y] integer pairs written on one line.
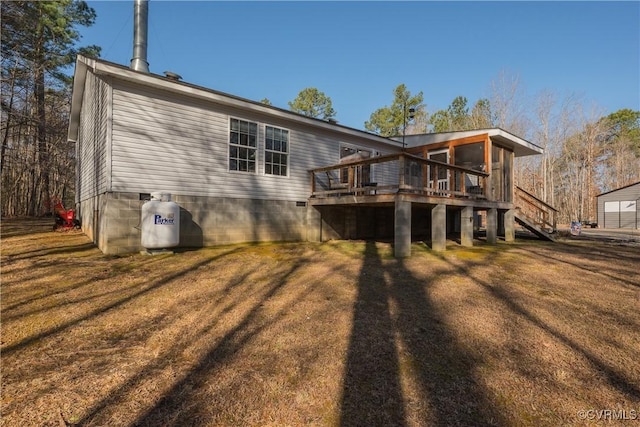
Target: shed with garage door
[[620, 208]]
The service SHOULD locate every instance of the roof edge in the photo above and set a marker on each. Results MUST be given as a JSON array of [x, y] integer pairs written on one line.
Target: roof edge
[[521, 146], [617, 189], [100, 66], [77, 95]]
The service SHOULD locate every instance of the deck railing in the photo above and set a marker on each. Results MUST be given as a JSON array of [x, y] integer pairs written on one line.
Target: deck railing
[[401, 172], [540, 213]]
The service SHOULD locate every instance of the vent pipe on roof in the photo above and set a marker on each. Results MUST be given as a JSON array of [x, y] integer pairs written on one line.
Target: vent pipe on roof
[[140, 24], [172, 76]]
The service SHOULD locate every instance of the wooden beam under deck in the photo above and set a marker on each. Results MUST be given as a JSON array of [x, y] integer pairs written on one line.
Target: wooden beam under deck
[[390, 199]]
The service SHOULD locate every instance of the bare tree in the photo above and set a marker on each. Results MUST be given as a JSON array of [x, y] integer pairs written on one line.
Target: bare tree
[[508, 101], [581, 164], [552, 124]]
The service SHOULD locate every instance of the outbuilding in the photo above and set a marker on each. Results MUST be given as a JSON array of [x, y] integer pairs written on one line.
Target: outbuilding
[[620, 208]]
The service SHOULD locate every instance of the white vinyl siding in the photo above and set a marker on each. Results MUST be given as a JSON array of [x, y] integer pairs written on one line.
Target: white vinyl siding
[[165, 142], [92, 153]]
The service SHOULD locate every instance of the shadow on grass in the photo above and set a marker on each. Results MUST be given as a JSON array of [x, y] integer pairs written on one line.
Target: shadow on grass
[[441, 369], [171, 315], [615, 378], [59, 296], [169, 409], [604, 254], [185, 340], [57, 250], [103, 309], [16, 227], [444, 370], [372, 393]]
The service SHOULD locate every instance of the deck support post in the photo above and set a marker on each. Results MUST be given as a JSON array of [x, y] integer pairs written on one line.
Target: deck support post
[[439, 227], [466, 226], [509, 226], [402, 228], [492, 226]]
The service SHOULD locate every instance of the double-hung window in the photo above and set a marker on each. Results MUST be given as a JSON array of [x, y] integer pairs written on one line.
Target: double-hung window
[[276, 151], [243, 145]]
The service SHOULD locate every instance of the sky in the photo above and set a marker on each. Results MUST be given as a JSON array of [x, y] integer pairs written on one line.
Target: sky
[[358, 52]]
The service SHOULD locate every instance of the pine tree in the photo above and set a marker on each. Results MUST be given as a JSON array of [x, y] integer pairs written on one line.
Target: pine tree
[[38, 43]]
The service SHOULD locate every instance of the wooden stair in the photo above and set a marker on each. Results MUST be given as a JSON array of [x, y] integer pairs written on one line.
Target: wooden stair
[[526, 222], [535, 215]]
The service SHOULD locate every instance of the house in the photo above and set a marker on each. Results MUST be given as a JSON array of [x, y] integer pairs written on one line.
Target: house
[[242, 171], [620, 208]]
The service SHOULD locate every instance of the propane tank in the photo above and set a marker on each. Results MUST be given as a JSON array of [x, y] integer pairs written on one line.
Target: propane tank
[[160, 222]]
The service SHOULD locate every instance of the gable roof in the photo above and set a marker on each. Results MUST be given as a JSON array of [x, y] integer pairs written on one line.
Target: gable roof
[[618, 189], [105, 68], [520, 146]]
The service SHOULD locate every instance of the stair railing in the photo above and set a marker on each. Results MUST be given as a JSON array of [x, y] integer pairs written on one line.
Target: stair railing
[[537, 211]]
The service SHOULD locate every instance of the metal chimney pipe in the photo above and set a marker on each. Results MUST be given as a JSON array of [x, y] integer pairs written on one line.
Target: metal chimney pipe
[[140, 24]]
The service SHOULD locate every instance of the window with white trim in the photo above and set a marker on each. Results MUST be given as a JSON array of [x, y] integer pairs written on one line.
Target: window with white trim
[[243, 145], [276, 151]]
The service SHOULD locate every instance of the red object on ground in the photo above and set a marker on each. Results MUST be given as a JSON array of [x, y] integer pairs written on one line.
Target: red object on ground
[[65, 218]]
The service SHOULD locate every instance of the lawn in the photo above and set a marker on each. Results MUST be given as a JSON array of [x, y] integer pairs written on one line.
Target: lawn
[[332, 334]]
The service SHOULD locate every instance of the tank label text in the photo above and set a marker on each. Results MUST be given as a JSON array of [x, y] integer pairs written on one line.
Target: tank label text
[[160, 220]]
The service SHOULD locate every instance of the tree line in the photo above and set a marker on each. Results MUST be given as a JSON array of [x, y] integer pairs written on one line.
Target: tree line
[[585, 151], [38, 43]]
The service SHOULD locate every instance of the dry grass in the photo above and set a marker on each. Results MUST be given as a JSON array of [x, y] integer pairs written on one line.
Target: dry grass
[[316, 334]]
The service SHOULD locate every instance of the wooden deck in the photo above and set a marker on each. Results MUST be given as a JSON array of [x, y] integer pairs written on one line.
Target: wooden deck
[[401, 182], [380, 180]]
